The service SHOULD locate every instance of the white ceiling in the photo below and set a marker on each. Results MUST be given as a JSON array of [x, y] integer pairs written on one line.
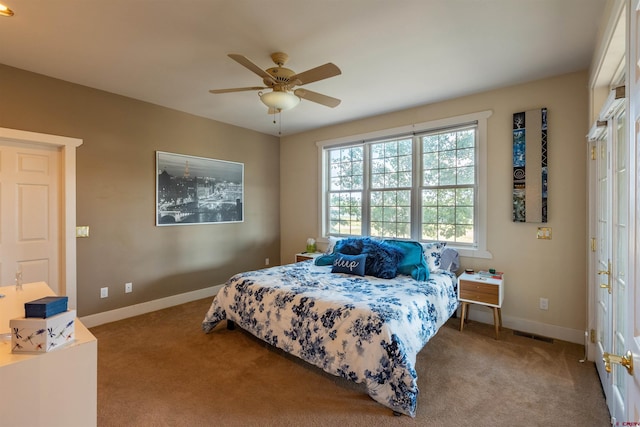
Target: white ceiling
[[393, 54]]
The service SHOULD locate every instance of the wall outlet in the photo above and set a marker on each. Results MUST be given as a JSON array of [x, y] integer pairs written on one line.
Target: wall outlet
[[104, 292], [266, 261], [128, 287], [544, 304]]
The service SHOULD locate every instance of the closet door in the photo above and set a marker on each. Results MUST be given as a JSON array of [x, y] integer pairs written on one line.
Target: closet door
[[603, 301], [632, 330]]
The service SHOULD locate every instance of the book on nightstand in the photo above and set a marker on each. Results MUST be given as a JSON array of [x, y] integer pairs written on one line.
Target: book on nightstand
[[487, 274]]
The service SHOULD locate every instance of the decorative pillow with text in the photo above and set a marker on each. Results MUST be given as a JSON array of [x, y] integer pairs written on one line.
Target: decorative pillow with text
[[349, 264]]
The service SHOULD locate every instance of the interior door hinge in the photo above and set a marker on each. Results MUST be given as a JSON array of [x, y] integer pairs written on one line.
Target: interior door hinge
[[593, 152], [594, 244], [592, 336]]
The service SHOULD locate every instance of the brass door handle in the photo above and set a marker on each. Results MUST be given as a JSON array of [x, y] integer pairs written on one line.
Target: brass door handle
[[608, 273], [626, 361]]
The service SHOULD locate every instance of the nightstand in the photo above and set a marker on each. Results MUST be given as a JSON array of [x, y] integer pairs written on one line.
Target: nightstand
[[304, 256], [487, 290]]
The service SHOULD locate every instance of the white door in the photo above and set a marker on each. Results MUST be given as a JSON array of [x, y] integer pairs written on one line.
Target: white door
[[612, 258], [632, 331], [603, 310], [615, 292], [29, 214], [619, 264], [66, 198]]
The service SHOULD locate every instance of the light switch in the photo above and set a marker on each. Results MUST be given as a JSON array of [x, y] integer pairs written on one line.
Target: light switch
[[82, 231], [544, 233]]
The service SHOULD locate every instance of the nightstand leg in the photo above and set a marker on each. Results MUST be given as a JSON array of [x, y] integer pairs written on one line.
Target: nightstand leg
[[463, 312], [497, 322]]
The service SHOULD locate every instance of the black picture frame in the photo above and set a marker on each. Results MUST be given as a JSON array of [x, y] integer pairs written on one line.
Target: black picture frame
[[194, 190]]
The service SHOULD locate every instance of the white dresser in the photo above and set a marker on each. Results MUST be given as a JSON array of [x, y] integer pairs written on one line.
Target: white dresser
[[57, 388]]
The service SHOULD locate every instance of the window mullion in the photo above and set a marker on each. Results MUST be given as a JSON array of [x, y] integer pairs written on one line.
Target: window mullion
[[366, 191], [416, 196]]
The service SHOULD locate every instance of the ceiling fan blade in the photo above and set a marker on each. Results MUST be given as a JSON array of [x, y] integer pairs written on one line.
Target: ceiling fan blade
[[317, 97], [319, 73], [246, 62], [237, 89]]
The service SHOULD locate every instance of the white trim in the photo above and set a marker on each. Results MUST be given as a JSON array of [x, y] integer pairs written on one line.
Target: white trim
[[147, 307], [480, 117], [614, 103], [609, 53], [484, 315], [418, 127], [67, 148]]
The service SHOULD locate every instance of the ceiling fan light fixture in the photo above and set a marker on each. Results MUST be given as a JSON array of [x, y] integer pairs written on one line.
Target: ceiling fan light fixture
[[279, 100], [5, 11]]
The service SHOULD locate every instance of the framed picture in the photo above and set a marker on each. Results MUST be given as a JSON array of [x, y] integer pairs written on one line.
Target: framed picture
[[196, 190]]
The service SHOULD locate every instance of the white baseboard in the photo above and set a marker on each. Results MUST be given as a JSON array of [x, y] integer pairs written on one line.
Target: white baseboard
[[484, 315], [147, 307]]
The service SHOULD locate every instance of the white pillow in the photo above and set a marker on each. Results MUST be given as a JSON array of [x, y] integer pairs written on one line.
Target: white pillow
[[433, 253], [331, 244]]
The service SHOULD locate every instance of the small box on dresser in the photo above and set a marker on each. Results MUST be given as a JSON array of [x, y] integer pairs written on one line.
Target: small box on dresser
[[46, 306], [35, 335]]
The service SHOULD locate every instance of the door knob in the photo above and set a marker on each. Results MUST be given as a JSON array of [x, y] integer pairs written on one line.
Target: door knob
[[626, 361]]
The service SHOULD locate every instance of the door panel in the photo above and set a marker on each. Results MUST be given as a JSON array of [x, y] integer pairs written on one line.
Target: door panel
[[619, 263], [29, 214], [603, 257]]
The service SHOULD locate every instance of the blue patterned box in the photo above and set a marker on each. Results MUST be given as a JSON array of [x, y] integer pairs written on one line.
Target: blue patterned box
[[45, 307], [31, 334]]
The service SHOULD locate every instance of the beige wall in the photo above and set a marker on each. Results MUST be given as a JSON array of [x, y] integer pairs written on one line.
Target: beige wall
[[116, 190], [554, 269], [116, 184]]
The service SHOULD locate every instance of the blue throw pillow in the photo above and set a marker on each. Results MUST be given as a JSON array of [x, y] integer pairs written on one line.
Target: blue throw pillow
[[326, 259], [349, 264], [413, 262], [350, 246], [382, 258]]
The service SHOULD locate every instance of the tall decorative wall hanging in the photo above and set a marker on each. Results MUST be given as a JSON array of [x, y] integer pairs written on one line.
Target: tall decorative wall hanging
[[530, 166]]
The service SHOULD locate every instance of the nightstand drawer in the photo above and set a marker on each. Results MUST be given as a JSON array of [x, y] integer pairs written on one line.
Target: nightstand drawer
[[481, 292]]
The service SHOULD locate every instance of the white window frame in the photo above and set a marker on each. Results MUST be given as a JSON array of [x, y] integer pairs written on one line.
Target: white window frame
[[479, 250]]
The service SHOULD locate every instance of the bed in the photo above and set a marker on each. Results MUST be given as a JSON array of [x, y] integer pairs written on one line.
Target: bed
[[363, 328]]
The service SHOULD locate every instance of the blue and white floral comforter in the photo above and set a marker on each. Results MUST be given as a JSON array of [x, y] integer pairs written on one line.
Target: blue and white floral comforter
[[365, 329]]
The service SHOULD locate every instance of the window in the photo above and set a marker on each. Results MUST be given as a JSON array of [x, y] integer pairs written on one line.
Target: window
[[449, 185], [426, 183], [345, 190]]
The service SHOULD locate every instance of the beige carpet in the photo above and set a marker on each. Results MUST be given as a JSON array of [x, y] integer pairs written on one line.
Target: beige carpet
[[160, 369]]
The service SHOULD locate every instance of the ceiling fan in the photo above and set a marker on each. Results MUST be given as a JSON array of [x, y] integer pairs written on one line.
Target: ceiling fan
[[282, 81]]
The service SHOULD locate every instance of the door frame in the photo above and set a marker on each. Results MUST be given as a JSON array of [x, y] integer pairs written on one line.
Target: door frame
[[67, 176]]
